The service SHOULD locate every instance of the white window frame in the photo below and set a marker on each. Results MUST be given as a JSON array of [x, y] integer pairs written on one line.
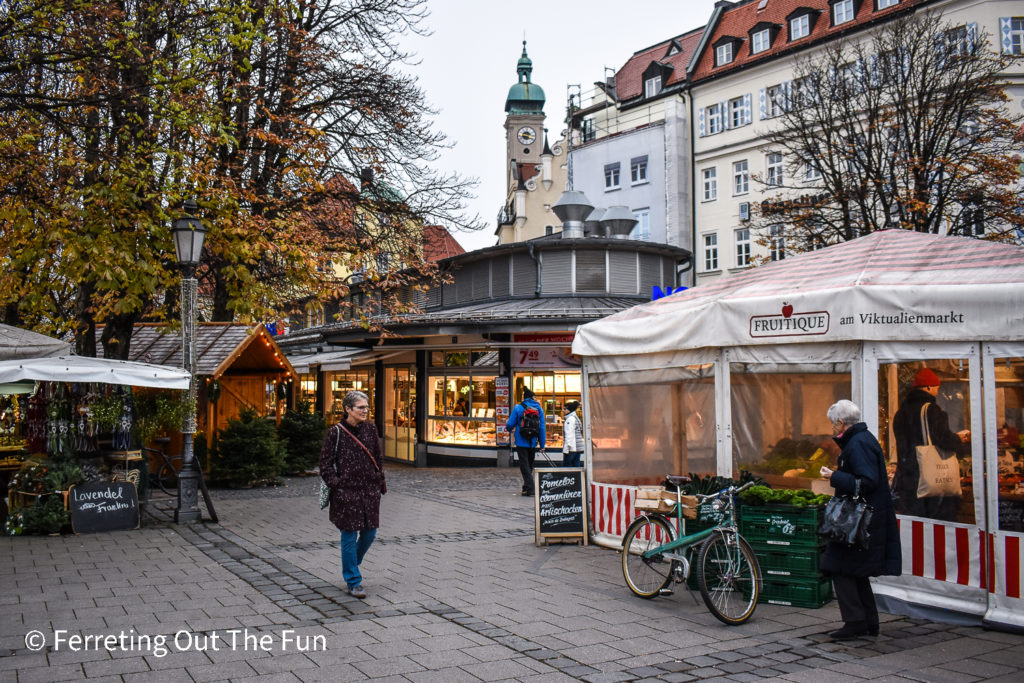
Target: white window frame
[[710, 252], [774, 100], [724, 54], [773, 172], [642, 229], [638, 170], [776, 243], [710, 177], [612, 176], [716, 118], [652, 86], [737, 117], [740, 178], [760, 41], [883, 4], [1016, 35], [958, 41], [800, 27], [842, 12], [811, 171], [743, 247]]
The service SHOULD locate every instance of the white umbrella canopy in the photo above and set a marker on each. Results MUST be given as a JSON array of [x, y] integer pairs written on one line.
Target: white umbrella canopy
[[18, 343], [84, 369]]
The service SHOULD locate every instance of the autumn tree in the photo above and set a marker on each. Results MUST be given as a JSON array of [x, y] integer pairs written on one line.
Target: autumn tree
[[906, 129]]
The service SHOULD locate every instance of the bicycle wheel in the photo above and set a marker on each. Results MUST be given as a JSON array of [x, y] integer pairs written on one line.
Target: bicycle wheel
[[167, 478], [646, 576], [729, 577]]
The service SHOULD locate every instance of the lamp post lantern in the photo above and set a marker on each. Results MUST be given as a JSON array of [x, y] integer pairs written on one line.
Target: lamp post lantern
[[189, 234]]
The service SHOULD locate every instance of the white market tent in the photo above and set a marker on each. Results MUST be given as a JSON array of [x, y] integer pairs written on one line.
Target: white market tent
[[728, 375], [19, 343], [84, 369]]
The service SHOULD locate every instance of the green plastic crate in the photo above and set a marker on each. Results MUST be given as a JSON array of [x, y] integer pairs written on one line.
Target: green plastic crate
[[781, 526], [785, 564], [810, 593]]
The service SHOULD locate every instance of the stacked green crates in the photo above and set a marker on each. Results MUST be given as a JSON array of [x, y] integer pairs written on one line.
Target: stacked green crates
[[788, 548]]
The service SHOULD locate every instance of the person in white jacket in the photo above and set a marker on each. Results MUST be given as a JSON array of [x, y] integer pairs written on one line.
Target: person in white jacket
[[572, 441]]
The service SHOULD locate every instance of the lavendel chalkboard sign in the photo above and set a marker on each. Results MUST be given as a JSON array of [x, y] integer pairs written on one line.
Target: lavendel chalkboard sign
[[560, 504], [103, 506]]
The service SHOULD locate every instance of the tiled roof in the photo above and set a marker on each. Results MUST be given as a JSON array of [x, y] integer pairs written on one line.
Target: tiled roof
[[439, 244], [629, 79], [737, 21]]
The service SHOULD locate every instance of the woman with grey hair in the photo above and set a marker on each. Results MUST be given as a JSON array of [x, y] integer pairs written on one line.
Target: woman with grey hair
[[352, 466], [860, 471]]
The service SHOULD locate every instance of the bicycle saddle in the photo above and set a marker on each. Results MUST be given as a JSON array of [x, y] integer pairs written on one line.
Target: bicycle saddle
[[677, 480]]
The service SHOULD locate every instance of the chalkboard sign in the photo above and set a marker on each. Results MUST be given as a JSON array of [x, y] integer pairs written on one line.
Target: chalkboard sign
[[1011, 515], [103, 506], [560, 504]]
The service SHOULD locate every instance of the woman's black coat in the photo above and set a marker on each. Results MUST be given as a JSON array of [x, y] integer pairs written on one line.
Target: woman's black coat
[[861, 459], [356, 481]]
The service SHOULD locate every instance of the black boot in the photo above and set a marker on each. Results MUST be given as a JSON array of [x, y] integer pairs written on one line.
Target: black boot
[[872, 628], [853, 629]]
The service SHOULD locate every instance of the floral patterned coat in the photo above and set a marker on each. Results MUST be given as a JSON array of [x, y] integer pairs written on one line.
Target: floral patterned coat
[[356, 482]]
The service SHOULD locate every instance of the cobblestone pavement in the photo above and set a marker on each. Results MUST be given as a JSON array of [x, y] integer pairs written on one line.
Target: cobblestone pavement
[[457, 592]]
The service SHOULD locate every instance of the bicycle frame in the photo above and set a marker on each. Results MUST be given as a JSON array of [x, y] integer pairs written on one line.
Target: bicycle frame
[[688, 540]]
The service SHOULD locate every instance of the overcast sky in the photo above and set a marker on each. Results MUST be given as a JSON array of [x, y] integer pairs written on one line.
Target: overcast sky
[[469, 63]]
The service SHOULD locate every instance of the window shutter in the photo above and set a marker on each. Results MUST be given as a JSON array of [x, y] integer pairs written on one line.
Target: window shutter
[[700, 122], [723, 108], [787, 95], [972, 35], [1004, 34], [762, 97], [747, 115]]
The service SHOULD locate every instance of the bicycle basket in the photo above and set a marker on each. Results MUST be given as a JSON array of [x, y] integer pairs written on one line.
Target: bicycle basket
[[657, 499]]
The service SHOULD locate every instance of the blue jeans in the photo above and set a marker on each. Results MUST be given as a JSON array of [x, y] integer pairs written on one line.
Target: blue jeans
[[352, 551], [571, 459]]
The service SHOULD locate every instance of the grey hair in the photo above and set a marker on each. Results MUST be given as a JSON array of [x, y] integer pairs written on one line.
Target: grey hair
[[843, 411], [350, 399]]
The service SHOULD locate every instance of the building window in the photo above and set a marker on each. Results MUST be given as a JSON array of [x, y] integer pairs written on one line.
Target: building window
[[642, 229], [800, 26], [711, 252], [760, 41], [812, 171], [842, 12], [1015, 44], [773, 169], [638, 170], [723, 54], [740, 177], [652, 86], [737, 112], [714, 116], [611, 176], [710, 184], [774, 101], [743, 248], [776, 243], [549, 229], [315, 316], [957, 42], [882, 4]]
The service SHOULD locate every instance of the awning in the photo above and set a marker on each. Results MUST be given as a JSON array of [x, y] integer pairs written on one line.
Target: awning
[[86, 369], [18, 343], [328, 360]]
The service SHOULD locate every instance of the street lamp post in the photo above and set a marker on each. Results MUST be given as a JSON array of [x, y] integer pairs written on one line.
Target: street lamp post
[[188, 246]]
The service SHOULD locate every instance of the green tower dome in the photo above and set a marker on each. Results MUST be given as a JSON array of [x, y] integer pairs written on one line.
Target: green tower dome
[[525, 97]]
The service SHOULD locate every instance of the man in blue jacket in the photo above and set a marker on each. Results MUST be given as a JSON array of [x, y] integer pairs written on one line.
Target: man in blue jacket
[[527, 423]]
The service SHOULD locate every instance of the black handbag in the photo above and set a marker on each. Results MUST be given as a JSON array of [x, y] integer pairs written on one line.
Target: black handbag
[[846, 520]]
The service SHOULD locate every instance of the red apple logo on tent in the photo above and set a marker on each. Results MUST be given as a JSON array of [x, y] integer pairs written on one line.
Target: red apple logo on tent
[[787, 309]]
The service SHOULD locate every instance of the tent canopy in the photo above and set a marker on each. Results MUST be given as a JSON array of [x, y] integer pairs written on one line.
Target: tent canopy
[[84, 369], [18, 343], [890, 285]]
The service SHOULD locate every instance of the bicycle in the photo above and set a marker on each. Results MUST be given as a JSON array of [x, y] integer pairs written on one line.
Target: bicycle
[[728, 575], [166, 475]]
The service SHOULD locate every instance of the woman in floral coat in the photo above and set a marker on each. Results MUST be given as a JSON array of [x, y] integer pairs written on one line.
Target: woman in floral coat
[[351, 465]]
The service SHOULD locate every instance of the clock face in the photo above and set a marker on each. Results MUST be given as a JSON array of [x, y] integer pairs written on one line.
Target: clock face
[[526, 135]]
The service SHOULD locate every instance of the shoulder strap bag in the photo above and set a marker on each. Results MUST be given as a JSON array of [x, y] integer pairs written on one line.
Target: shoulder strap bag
[[846, 520], [363, 446], [938, 472], [325, 490]]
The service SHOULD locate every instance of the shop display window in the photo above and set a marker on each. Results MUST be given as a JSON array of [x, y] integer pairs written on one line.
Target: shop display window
[[641, 432], [553, 389], [307, 389], [779, 428], [1009, 376], [899, 429], [339, 384], [462, 408]]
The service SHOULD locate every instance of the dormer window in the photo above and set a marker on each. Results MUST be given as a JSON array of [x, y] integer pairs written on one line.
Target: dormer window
[[882, 4], [842, 11], [725, 50], [801, 22], [652, 86], [760, 41]]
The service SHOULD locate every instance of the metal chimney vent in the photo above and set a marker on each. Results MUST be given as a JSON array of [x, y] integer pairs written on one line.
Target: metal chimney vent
[[571, 208], [592, 226], [618, 222]]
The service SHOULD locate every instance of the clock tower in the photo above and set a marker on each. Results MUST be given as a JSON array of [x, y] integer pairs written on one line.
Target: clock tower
[[524, 120]]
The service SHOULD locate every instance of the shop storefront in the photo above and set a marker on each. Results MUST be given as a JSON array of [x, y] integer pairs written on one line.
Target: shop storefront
[[737, 376]]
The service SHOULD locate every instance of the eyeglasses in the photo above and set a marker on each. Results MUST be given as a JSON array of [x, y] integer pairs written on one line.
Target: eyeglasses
[[360, 407]]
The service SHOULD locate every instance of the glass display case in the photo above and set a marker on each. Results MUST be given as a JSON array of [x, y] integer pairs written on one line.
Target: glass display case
[[553, 389], [461, 409]]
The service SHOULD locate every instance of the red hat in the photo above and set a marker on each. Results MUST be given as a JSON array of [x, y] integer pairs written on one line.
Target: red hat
[[926, 378]]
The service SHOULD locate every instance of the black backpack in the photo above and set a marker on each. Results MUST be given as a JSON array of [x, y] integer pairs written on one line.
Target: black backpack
[[529, 423]]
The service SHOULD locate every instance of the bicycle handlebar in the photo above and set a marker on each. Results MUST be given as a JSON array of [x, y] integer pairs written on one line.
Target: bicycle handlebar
[[728, 490]]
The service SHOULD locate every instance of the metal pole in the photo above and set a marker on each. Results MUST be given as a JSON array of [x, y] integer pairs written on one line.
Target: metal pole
[[188, 479]]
